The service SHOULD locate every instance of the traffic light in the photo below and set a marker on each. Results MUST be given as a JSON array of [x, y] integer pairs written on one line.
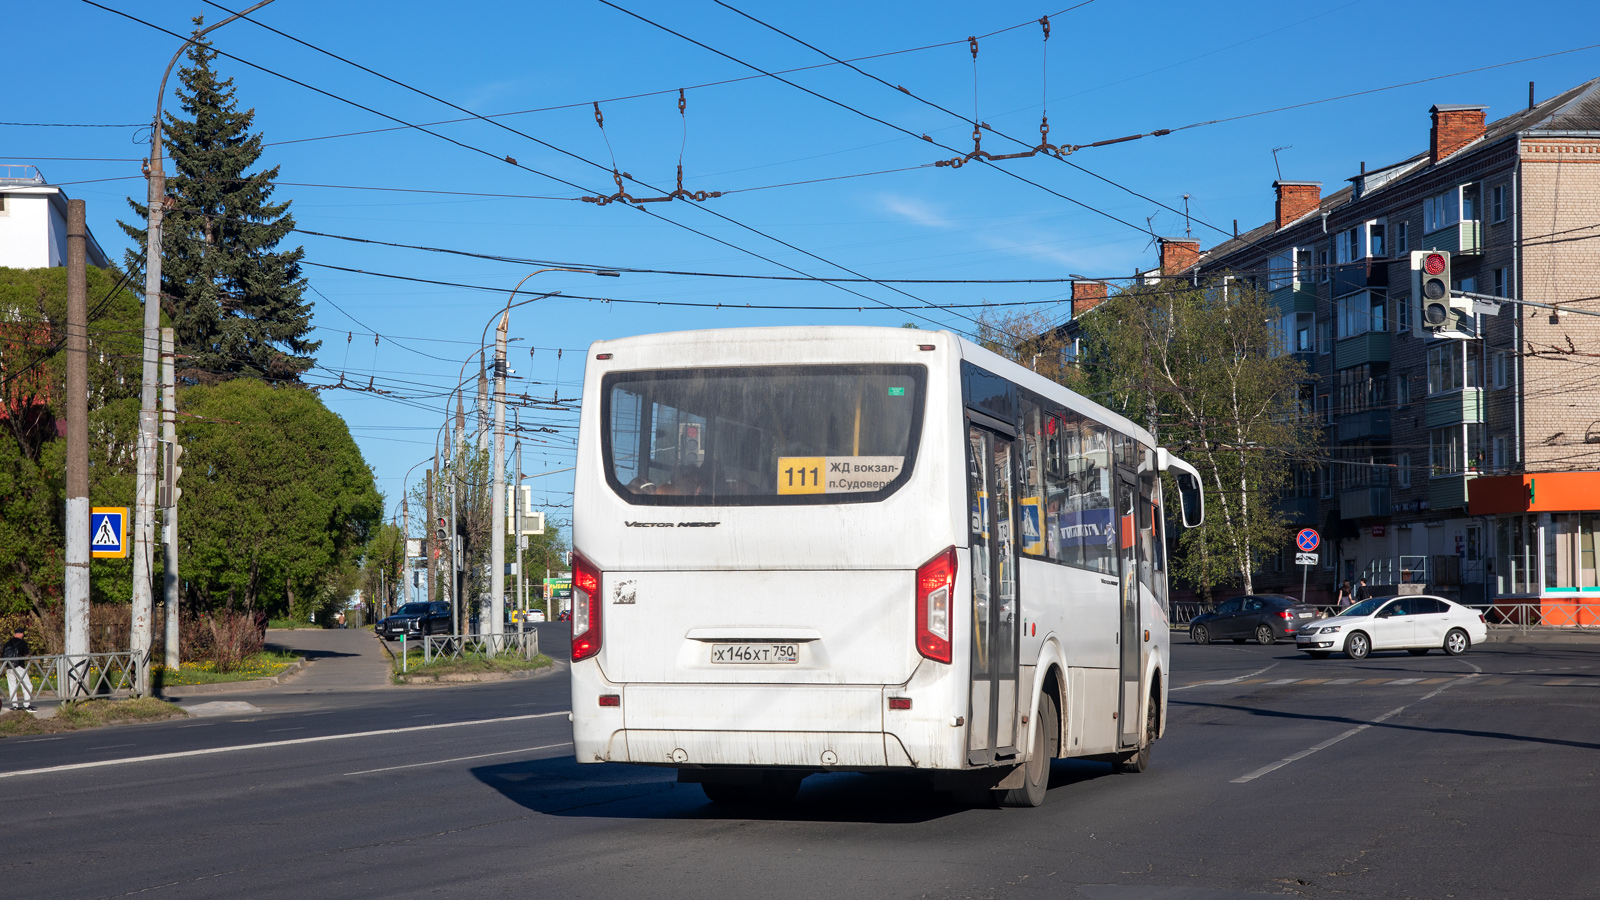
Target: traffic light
[[170, 492], [1431, 282]]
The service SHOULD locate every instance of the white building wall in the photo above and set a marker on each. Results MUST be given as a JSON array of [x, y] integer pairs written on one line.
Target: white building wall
[[27, 236]]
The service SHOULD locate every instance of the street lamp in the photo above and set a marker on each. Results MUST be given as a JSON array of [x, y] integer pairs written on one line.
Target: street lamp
[[497, 501], [146, 487]]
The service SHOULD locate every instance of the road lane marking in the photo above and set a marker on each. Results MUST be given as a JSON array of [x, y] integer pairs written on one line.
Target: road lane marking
[[1344, 681], [440, 762], [1405, 681], [1374, 681], [1238, 680], [1313, 681], [1283, 681], [1273, 767], [1440, 680], [184, 754]]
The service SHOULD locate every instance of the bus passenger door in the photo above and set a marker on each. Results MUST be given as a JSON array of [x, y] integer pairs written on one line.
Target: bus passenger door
[[1128, 638], [991, 729]]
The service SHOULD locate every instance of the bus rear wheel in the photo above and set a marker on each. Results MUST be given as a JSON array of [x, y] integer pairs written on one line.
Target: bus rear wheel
[[1046, 740], [1139, 760]]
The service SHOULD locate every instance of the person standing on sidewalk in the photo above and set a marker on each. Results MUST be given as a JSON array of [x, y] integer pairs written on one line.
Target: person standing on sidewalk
[[17, 681]]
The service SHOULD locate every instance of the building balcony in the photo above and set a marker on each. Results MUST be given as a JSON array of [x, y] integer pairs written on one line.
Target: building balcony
[[1369, 425], [1462, 237], [1359, 276], [1454, 408], [1448, 491], [1372, 347], [1295, 298], [1363, 503], [1297, 510]]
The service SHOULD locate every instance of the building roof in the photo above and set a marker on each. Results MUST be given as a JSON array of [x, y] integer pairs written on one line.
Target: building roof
[[1575, 111]]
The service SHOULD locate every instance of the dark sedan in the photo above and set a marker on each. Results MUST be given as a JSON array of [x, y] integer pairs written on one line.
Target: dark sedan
[[415, 620], [1265, 617]]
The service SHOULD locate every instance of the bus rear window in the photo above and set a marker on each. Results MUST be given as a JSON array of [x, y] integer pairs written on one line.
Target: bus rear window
[[756, 436]]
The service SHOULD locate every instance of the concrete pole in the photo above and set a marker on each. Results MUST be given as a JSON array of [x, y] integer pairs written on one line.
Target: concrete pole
[[169, 430], [405, 546], [77, 574], [458, 569], [145, 465], [497, 506], [429, 534], [516, 502]]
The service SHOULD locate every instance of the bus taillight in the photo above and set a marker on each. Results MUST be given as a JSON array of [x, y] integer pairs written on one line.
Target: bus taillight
[[936, 582], [585, 608]]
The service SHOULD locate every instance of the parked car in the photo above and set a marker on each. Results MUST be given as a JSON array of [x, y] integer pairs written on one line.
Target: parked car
[[1265, 617], [1416, 623], [415, 620]]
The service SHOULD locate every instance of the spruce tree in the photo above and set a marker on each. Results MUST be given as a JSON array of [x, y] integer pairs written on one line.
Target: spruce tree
[[234, 299]]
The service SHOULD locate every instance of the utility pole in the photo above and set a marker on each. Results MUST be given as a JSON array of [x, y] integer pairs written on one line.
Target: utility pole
[[497, 506], [169, 431], [77, 574], [145, 482], [516, 503], [405, 545], [431, 544], [457, 569]]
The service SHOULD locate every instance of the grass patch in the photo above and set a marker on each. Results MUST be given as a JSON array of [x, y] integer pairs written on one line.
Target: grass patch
[[475, 664], [265, 664], [89, 714]]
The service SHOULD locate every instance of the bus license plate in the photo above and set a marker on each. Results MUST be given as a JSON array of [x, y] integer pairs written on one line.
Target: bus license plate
[[755, 653]]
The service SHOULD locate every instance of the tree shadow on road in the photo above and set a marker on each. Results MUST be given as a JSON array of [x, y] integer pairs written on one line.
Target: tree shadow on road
[[1391, 724], [561, 787]]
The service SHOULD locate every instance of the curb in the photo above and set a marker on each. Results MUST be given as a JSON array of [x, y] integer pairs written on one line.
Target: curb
[[254, 684]]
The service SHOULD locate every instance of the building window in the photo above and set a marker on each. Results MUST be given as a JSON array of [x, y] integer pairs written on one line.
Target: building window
[[1501, 369], [1280, 271], [1498, 457], [1322, 265], [1376, 232], [1453, 365], [1348, 245], [1361, 313], [1459, 204], [1304, 333], [1402, 390], [1500, 282], [1403, 465], [1325, 476], [1402, 239], [1325, 409], [1324, 343], [1359, 390], [1402, 314], [1497, 203], [1469, 284]]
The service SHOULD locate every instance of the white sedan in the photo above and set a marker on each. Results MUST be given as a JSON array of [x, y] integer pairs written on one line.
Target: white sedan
[[1416, 623]]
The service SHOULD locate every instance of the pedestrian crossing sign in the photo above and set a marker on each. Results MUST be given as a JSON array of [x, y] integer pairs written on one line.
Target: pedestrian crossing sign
[[108, 532]]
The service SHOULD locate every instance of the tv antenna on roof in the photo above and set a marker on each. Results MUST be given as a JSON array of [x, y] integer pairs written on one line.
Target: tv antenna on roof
[[1275, 159]]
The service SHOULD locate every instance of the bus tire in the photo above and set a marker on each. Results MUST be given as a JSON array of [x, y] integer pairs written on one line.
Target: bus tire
[[1037, 778], [1139, 760]]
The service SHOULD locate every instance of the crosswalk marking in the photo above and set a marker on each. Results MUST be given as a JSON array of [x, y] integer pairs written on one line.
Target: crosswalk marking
[[1559, 682], [1374, 681], [1284, 681], [1313, 680], [1344, 681], [1405, 681], [1436, 681]]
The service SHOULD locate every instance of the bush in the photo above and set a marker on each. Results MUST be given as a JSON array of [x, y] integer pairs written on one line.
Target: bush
[[225, 637]]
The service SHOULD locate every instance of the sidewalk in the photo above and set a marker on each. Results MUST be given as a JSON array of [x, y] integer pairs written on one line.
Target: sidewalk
[[337, 660], [1513, 635]]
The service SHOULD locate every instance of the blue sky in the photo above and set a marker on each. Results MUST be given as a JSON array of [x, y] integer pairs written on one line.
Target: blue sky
[[1110, 68]]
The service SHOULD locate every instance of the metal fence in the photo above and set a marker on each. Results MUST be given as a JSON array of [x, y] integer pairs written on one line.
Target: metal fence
[[445, 647], [94, 675], [1501, 614]]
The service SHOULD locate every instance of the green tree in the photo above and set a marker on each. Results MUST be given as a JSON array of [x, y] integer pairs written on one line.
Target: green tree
[[382, 562], [33, 306], [1204, 368], [234, 299], [277, 501]]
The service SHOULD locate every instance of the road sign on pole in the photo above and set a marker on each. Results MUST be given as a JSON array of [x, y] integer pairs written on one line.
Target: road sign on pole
[[1307, 540], [108, 532]]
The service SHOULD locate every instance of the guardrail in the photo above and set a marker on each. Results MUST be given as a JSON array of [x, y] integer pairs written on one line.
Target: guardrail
[[439, 647], [1548, 614], [86, 677]]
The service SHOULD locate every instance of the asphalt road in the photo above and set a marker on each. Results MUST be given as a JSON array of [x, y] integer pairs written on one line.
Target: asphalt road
[[1399, 776]]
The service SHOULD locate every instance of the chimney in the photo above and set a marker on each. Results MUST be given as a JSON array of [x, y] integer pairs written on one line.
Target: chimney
[[1086, 295], [1296, 199], [1178, 255], [1454, 127]]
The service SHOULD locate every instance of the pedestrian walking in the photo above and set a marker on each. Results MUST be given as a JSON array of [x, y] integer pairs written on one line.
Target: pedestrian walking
[[17, 681], [1361, 591], [1343, 598]]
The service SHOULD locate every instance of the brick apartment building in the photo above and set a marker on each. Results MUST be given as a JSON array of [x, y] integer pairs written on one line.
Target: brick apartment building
[[1472, 466]]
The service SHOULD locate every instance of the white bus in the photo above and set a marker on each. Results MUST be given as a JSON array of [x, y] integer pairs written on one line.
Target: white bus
[[819, 549]]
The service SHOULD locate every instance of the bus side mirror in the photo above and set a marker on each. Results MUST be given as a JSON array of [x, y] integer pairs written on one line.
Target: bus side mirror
[[1191, 499]]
